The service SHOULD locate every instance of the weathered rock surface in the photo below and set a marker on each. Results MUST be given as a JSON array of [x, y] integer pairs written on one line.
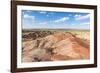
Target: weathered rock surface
[[54, 47]]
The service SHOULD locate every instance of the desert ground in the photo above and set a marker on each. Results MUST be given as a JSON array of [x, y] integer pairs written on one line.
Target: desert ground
[[55, 45]]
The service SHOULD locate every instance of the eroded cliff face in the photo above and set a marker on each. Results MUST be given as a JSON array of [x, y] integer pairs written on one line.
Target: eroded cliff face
[[54, 47]]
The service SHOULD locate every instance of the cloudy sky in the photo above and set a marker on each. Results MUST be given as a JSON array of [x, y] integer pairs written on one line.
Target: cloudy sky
[[52, 20]]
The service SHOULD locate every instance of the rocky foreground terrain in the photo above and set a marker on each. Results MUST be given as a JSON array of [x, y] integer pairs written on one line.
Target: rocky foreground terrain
[[54, 46]]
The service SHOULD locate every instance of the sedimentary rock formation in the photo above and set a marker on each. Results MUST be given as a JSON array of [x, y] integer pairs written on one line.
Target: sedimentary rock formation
[[55, 46]]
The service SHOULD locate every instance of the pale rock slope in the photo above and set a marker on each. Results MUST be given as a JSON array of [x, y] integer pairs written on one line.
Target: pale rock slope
[[55, 47]]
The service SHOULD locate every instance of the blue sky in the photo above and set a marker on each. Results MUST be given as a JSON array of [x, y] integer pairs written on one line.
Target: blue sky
[[32, 19]]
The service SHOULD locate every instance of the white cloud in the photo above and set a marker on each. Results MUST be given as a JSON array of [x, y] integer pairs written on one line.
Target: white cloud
[[28, 21], [26, 12], [29, 16], [77, 15], [86, 23], [61, 19], [25, 15], [43, 12], [47, 15], [80, 17]]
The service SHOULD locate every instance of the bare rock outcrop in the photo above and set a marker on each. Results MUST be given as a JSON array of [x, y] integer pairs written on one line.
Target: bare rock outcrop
[[54, 47]]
